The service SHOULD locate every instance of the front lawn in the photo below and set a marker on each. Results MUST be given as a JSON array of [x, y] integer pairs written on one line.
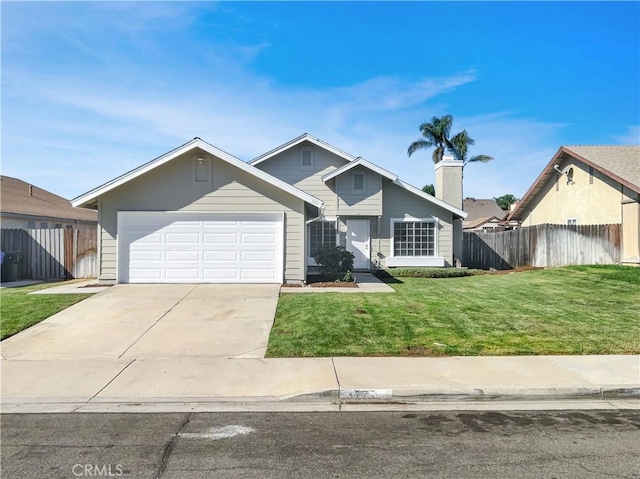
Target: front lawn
[[18, 310], [572, 310]]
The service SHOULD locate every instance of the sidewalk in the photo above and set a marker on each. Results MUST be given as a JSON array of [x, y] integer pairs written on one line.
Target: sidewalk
[[314, 383]]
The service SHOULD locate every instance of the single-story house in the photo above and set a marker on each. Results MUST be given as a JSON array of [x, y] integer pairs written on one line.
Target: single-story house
[[585, 185], [199, 214], [483, 214], [25, 206]]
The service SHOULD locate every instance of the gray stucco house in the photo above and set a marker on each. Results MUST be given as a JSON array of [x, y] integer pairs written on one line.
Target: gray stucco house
[[199, 214]]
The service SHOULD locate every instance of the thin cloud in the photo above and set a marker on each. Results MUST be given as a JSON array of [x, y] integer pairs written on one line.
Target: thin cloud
[[631, 137]]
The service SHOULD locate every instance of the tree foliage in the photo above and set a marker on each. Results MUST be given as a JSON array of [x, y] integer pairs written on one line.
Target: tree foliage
[[429, 189], [434, 133], [505, 201]]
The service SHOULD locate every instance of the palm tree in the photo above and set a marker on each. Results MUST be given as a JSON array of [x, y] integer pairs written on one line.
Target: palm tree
[[436, 133], [459, 145]]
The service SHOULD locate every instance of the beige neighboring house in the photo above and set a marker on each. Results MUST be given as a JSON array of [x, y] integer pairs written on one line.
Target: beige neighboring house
[[483, 214], [200, 215], [584, 185], [24, 206]]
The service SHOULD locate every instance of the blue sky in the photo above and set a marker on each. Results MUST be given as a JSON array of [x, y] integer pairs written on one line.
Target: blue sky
[[91, 90]]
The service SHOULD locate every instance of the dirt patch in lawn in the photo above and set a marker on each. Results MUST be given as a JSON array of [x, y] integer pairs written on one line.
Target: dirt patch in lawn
[[516, 270]]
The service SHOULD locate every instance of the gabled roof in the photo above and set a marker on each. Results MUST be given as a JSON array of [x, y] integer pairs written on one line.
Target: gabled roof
[[18, 197], [88, 197], [436, 201], [297, 141], [482, 208], [620, 163], [396, 181], [474, 223], [359, 162]]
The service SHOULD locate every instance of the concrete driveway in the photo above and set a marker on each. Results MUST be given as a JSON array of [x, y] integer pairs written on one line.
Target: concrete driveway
[[155, 321]]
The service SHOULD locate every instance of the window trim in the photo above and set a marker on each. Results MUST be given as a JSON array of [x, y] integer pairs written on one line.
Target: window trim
[[311, 166], [572, 221], [436, 223], [310, 260]]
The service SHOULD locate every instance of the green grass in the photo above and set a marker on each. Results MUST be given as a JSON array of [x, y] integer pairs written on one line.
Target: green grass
[[18, 310], [572, 310]]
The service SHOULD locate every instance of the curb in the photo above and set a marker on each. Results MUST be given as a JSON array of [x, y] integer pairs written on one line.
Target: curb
[[355, 396]]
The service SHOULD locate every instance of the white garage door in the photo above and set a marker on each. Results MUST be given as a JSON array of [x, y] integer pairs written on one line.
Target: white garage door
[[200, 248]]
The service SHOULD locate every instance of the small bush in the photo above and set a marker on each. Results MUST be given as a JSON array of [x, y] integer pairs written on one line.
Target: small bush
[[335, 262], [428, 273]]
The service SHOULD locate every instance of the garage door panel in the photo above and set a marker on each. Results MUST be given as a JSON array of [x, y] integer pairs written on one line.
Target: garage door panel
[[181, 256], [145, 274], [177, 238], [145, 255], [142, 238], [221, 223], [229, 274], [176, 247], [258, 238], [265, 256], [231, 238], [212, 256], [191, 274]]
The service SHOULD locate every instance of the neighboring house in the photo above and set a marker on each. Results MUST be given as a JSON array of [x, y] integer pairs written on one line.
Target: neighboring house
[[198, 214], [584, 185], [482, 214], [24, 206]]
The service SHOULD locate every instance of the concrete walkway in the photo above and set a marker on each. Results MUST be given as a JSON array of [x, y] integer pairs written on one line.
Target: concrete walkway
[[169, 384]]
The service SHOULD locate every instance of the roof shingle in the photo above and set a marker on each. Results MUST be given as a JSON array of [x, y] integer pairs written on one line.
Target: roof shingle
[[15, 199]]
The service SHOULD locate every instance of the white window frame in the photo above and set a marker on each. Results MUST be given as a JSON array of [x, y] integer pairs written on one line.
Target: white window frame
[[310, 260], [435, 260], [353, 182], [311, 166], [572, 221]]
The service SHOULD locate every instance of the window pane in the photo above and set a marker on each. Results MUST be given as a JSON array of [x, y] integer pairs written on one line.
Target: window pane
[[321, 233], [414, 238]]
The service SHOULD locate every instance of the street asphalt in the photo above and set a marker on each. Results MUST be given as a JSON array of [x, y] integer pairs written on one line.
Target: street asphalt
[[441, 445]]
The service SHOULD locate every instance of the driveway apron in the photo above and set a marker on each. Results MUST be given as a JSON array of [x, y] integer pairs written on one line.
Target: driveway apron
[[155, 321]]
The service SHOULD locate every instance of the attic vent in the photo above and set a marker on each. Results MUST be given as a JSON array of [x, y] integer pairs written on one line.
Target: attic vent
[[306, 159], [357, 182]]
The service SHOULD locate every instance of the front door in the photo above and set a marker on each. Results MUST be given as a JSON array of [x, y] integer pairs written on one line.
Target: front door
[[358, 243]]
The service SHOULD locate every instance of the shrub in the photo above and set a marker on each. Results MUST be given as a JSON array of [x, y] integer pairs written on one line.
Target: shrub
[[428, 273], [335, 262]]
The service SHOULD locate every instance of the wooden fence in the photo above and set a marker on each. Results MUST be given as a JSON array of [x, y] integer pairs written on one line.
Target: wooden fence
[[52, 253], [542, 246]]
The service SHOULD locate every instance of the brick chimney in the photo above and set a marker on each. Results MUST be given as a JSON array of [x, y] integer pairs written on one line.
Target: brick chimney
[[449, 181]]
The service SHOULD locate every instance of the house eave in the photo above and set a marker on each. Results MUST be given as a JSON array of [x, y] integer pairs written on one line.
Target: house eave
[[92, 195], [443, 204], [359, 162], [298, 141]]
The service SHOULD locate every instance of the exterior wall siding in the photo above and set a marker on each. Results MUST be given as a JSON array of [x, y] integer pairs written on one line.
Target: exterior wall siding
[[229, 190], [286, 166], [590, 202], [399, 203], [368, 202]]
